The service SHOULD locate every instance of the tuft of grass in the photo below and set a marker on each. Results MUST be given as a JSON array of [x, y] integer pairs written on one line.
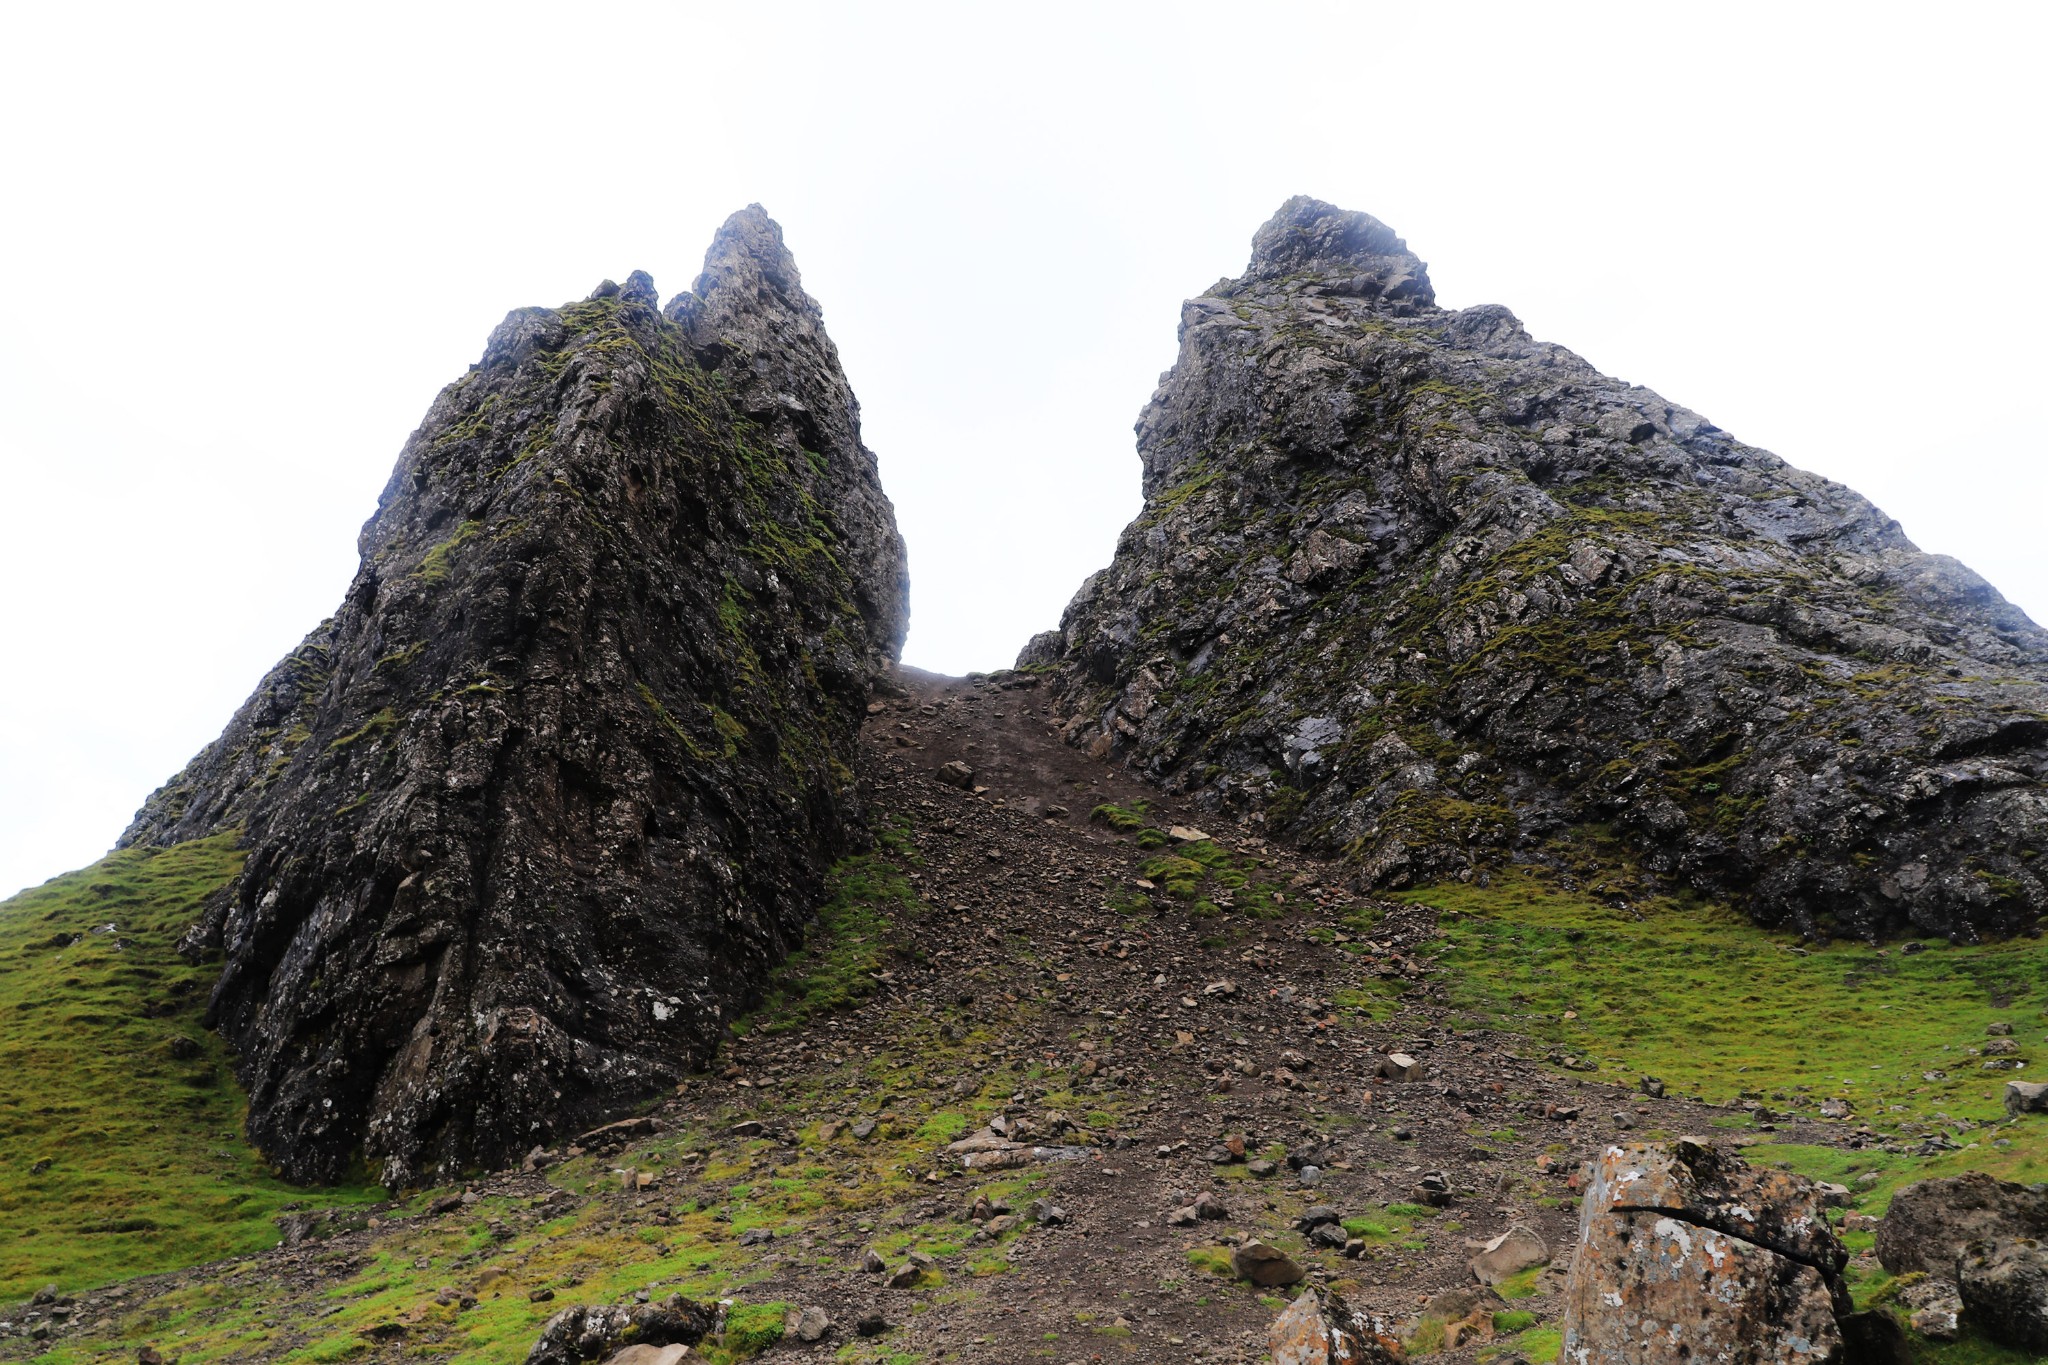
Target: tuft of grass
[[1520, 1285], [750, 1328], [1537, 1345], [438, 562], [841, 961], [108, 1074], [1123, 819]]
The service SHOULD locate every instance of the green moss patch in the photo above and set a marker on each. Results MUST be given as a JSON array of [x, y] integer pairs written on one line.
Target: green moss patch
[[121, 1148], [856, 932]]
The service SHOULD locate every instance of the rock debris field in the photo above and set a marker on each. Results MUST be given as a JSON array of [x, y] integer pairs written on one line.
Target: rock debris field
[[1060, 1078]]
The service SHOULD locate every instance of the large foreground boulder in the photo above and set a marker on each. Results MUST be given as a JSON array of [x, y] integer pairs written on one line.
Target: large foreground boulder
[[1320, 1328], [536, 811], [1983, 1243], [1932, 1222], [1687, 1255]]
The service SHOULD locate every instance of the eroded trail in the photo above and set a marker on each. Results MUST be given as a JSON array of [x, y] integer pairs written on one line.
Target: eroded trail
[[1108, 1009]]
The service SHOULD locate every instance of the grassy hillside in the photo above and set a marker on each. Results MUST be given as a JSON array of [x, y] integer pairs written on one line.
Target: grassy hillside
[[121, 1148], [1700, 997], [1715, 1007]]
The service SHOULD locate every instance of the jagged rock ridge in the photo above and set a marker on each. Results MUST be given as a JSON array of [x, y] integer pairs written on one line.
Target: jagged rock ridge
[[1410, 585], [544, 800]]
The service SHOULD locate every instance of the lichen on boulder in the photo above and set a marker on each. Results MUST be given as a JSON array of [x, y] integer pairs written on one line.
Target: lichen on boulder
[[1684, 1253]]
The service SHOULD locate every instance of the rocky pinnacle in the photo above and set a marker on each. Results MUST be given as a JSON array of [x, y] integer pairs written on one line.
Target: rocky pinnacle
[[1414, 588], [537, 809]]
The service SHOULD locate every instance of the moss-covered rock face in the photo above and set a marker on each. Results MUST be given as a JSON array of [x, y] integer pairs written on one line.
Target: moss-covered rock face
[[537, 809], [1410, 585]]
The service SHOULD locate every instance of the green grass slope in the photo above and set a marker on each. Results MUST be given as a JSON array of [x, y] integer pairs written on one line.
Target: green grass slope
[[1700, 997], [121, 1148], [1716, 1007]]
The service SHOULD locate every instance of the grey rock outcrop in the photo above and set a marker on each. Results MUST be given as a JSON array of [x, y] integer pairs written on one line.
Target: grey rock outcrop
[[1983, 1244], [1414, 587], [598, 1332], [2004, 1290], [537, 809], [1930, 1223], [1685, 1253]]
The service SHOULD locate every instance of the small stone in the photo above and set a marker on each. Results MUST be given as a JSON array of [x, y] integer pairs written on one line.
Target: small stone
[[1933, 1307], [812, 1324], [645, 1353], [873, 1262], [2026, 1097], [1047, 1214], [1263, 1168], [1509, 1254], [906, 1275], [1264, 1265], [863, 1130], [2001, 1029], [956, 774], [1652, 1087], [873, 1325], [1399, 1066]]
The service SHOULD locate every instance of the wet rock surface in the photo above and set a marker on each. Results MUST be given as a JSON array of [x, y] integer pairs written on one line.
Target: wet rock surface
[[538, 808], [1413, 586], [1685, 1253]]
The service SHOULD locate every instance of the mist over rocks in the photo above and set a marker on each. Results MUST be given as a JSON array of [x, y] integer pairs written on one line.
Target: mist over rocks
[[537, 809], [1415, 588]]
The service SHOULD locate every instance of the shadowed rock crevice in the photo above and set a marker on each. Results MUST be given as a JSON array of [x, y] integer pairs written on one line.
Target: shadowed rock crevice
[[538, 808]]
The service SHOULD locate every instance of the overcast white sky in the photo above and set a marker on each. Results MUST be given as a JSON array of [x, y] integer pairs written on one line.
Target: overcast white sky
[[243, 247]]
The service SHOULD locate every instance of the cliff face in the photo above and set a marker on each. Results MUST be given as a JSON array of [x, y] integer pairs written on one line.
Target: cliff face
[[1410, 585], [541, 803]]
